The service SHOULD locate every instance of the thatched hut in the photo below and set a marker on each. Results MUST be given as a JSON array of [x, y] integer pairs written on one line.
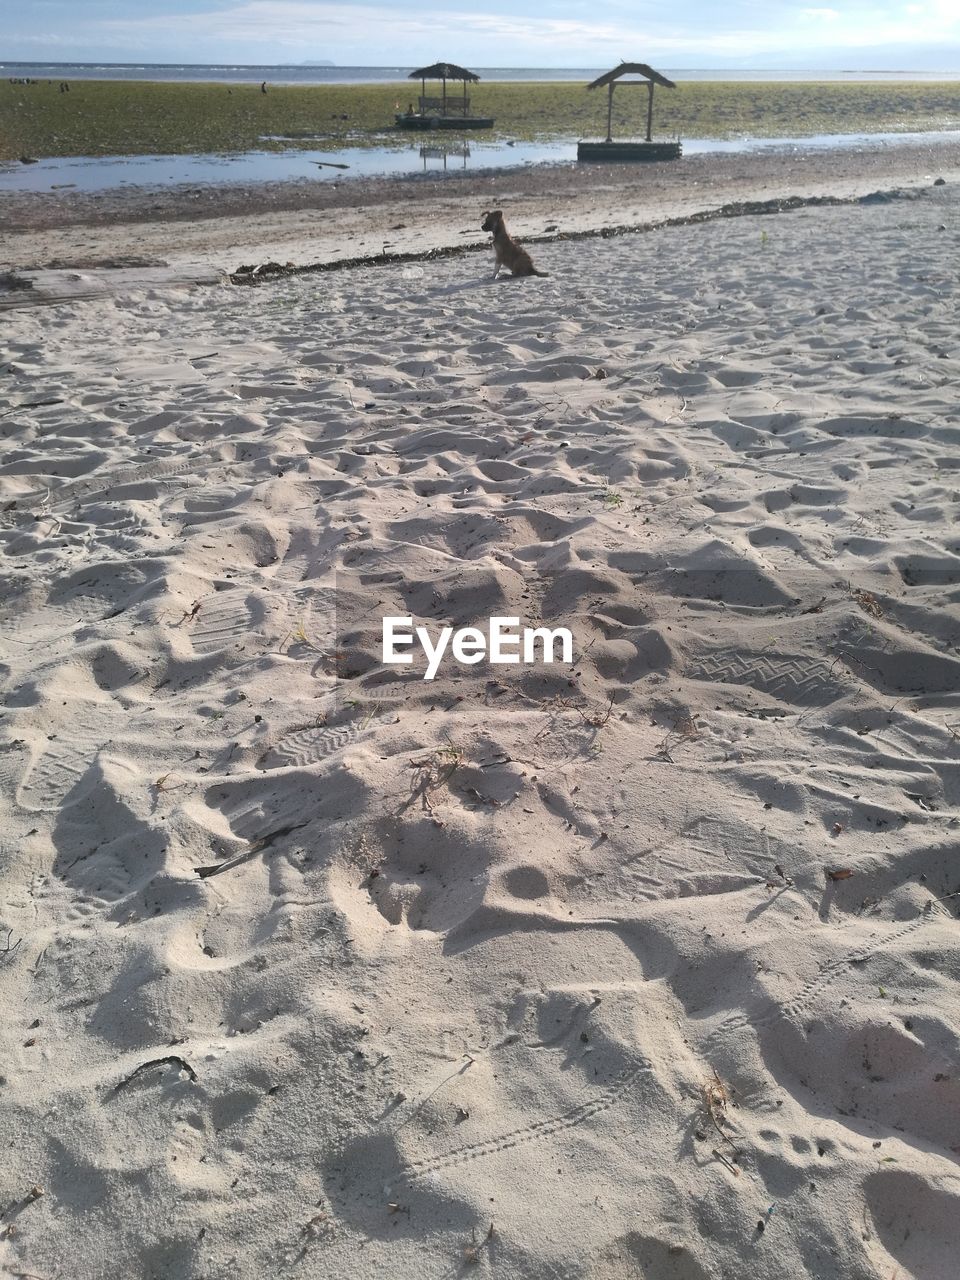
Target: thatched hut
[[630, 149], [449, 110]]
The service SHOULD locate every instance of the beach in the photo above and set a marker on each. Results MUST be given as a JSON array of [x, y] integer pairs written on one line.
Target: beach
[[217, 228], [639, 963]]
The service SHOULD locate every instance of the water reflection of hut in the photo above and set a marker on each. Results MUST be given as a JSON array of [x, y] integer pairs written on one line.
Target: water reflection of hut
[[445, 153], [630, 148], [449, 110]]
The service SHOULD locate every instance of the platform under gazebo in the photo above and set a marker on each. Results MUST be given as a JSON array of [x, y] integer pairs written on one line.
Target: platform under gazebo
[[451, 110], [630, 149]]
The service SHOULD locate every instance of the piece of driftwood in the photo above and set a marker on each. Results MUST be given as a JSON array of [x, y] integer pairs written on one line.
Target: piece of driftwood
[[256, 847], [171, 1060]]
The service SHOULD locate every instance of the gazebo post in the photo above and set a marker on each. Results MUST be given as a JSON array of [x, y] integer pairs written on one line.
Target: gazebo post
[[423, 91], [443, 94], [649, 109], [610, 112]]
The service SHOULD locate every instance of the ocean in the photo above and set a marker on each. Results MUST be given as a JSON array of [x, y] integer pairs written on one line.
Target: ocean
[[306, 74]]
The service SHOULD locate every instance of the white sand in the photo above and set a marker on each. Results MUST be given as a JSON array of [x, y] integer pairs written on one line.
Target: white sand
[[484, 946]]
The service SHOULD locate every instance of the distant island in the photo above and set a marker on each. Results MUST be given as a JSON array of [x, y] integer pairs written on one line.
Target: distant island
[[310, 62]]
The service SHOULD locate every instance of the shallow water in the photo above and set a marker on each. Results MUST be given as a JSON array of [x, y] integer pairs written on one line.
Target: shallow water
[[99, 173]]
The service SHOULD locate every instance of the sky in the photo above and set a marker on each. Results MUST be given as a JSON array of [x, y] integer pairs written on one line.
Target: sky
[[768, 34]]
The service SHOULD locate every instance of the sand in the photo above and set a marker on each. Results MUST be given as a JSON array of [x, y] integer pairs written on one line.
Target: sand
[[219, 227], [644, 965]]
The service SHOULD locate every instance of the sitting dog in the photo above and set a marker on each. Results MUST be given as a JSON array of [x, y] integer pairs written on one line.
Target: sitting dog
[[508, 252]]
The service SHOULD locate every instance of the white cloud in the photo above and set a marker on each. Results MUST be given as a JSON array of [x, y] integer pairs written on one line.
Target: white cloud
[[292, 21], [298, 27], [379, 32]]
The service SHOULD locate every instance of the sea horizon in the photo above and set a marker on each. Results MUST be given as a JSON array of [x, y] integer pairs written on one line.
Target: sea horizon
[[319, 73]]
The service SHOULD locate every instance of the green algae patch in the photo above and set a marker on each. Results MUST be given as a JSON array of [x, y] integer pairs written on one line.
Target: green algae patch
[[111, 117]]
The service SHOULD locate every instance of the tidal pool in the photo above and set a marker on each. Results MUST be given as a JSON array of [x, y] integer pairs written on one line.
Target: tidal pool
[[425, 156]]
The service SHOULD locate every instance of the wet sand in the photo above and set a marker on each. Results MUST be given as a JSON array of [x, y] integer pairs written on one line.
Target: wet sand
[[220, 227]]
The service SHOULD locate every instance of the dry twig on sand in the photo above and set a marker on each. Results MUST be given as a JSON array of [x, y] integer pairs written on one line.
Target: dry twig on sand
[[715, 1100], [173, 1060], [868, 602], [256, 846], [9, 948], [592, 719], [433, 772], [597, 719], [685, 729], [472, 1251], [163, 783]]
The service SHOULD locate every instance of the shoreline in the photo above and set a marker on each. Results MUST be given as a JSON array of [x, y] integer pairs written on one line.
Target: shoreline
[[330, 73], [263, 273], [219, 229]]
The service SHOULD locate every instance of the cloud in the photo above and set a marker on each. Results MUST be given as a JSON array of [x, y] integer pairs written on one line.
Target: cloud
[[297, 26], [690, 33], [293, 21], [602, 35]]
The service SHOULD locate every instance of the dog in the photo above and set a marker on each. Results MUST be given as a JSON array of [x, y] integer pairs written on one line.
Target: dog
[[508, 252]]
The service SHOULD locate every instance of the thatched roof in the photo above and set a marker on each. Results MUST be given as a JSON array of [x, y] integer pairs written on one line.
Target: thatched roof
[[443, 71], [632, 69]]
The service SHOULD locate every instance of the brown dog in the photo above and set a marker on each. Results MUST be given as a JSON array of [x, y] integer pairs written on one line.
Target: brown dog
[[508, 252]]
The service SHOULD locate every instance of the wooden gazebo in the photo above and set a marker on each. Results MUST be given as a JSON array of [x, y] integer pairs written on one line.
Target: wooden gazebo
[[450, 110], [630, 149]]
